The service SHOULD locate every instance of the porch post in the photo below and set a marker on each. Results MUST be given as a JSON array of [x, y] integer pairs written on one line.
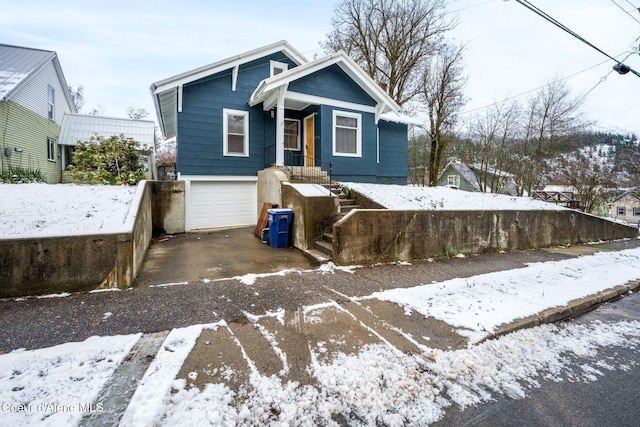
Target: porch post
[[280, 126]]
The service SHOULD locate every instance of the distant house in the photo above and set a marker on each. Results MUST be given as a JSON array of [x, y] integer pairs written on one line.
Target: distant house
[[81, 127], [34, 97], [273, 107], [469, 177], [626, 208]]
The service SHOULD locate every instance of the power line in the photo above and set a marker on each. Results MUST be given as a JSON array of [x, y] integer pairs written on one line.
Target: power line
[[619, 67], [625, 10]]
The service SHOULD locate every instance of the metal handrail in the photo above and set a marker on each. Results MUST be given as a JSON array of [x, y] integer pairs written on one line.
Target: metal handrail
[[299, 167]]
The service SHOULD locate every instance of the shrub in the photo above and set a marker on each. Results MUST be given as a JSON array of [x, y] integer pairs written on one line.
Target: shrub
[[18, 175], [113, 161]]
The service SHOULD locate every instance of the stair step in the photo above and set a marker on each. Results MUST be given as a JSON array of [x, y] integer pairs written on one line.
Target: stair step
[[318, 256], [327, 237], [347, 202], [348, 208], [324, 247]]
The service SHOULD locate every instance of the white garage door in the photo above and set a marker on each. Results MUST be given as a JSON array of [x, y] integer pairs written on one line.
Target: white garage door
[[222, 204]]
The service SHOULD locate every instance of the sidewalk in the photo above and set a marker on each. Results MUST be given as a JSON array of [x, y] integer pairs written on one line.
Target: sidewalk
[[288, 345]]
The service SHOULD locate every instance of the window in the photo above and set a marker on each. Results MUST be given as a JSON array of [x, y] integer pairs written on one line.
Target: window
[[51, 149], [347, 139], [292, 134], [453, 181], [278, 67], [51, 99], [236, 133], [636, 211], [622, 210]]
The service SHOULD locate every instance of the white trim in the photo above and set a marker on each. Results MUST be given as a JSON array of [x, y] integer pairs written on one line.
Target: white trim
[[276, 64], [234, 77], [211, 69], [320, 100], [297, 136], [225, 124], [51, 149], [180, 89], [356, 116]]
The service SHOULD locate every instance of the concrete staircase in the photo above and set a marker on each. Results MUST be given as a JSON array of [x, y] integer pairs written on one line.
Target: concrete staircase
[[324, 246]]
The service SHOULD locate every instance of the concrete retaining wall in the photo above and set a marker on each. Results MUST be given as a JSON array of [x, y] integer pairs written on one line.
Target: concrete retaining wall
[[370, 236], [311, 215], [37, 266], [168, 207]]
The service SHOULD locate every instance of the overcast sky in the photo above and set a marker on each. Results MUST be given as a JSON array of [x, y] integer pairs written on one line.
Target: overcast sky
[[116, 49]]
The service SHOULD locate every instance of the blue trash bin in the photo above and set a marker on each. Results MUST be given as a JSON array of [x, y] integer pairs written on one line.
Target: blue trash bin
[[279, 227]]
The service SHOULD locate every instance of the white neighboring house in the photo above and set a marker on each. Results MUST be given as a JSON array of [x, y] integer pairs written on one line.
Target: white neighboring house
[[34, 97], [626, 208], [81, 127]]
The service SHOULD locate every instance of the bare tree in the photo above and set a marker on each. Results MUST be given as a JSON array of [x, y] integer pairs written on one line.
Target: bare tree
[[443, 85], [137, 113], [551, 114], [495, 133], [77, 97], [392, 40], [590, 180]]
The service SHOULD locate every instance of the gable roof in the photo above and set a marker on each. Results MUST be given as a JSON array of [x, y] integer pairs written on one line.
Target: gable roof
[[465, 172], [19, 64], [265, 92], [81, 127], [165, 92]]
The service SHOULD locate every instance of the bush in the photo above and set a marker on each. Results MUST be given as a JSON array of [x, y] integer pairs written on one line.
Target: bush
[[19, 175], [113, 161]]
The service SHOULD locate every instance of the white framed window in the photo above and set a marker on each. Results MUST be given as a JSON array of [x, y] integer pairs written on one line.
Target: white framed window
[[278, 67], [292, 134], [636, 211], [51, 149], [51, 100], [347, 134], [622, 210], [453, 181], [235, 130]]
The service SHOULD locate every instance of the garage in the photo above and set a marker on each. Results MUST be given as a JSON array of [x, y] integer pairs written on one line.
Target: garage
[[219, 204]]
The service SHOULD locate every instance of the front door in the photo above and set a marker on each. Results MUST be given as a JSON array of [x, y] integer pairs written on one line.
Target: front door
[[309, 140]]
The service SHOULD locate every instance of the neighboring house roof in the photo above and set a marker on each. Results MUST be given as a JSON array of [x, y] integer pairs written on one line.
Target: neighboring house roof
[[19, 64], [267, 90], [465, 172], [81, 127], [165, 92]]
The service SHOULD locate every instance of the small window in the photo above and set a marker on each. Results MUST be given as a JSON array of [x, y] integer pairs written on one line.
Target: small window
[[453, 181], [278, 68], [622, 210], [292, 134], [236, 133], [347, 139], [636, 211], [51, 99], [51, 149]]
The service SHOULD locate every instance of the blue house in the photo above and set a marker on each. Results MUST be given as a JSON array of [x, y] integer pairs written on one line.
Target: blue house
[[273, 107]]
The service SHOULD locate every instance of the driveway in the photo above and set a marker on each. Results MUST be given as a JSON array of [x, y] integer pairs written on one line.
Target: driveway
[[211, 255]]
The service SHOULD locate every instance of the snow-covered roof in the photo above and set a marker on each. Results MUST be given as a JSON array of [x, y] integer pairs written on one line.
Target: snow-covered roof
[[465, 172], [19, 64], [81, 127], [395, 117]]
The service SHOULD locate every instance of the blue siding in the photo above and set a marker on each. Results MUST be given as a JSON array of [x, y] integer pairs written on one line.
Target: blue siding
[[394, 153], [332, 83], [200, 138]]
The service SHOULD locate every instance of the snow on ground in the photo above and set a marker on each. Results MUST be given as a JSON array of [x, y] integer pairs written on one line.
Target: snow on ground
[[40, 210], [407, 197], [55, 386], [377, 385]]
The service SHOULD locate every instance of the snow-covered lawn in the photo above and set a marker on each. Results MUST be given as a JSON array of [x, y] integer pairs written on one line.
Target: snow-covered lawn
[[408, 197], [39, 210]]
